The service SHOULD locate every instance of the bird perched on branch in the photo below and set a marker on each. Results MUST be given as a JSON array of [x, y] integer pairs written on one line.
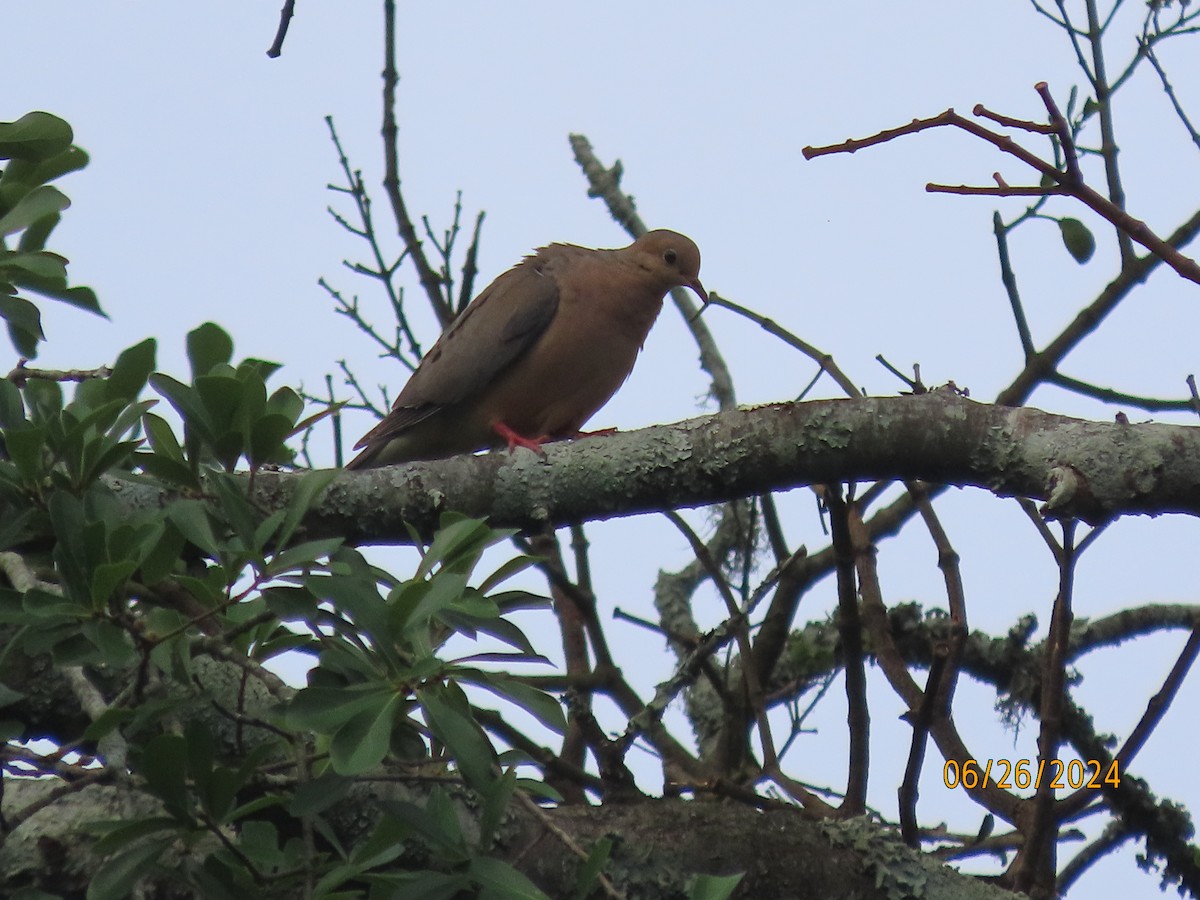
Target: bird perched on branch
[[535, 354]]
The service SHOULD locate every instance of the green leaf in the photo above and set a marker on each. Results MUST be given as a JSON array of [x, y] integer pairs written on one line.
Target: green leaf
[[1077, 239], [116, 834], [715, 887], [215, 786], [108, 721], [382, 846], [264, 532], [66, 646], [25, 446], [436, 824], [162, 437], [70, 160], [222, 396], [260, 842], [86, 421], [13, 528], [589, 873], [496, 875], [131, 371], [286, 402], [360, 744], [422, 884], [191, 518], [134, 538], [266, 442], [208, 346], [447, 711], [187, 404], [455, 537], [35, 136], [163, 764], [260, 369], [200, 750], [542, 706], [326, 709], [290, 603], [360, 600], [236, 509], [8, 696], [167, 470], [301, 556], [41, 201], [12, 407], [12, 612], [506, 571], [116, 649], [309, 488], [495, 803], [445, 588], [114, 456], [505, 631], [344, 662], [24, 322], [35, 236], [38, 263], [45, 606], [67, 518], [81, 297], [283, 641], [44, 399], [116, 878], [313, 797]]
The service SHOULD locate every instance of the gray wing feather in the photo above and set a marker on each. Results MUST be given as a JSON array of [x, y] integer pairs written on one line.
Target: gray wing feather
[[496, 329]]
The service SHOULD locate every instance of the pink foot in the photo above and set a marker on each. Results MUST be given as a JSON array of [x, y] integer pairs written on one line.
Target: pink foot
[[517, 440]]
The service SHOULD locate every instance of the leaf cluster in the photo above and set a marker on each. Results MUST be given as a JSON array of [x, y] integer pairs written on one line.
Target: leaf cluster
[[38, 148], [241, 777]]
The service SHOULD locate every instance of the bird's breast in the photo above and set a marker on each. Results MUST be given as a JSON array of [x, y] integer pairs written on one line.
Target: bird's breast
[[577, 364]]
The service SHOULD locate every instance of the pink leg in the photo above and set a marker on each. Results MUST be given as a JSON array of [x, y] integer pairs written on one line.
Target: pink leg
[[516, 440]]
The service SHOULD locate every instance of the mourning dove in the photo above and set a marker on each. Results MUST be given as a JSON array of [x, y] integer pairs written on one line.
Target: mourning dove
[[537, 353]]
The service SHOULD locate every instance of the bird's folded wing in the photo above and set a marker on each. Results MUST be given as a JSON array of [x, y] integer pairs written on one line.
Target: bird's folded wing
[[498, 327]]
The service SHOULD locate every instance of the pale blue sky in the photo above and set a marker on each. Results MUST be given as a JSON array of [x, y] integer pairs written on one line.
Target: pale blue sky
[[206, 194]]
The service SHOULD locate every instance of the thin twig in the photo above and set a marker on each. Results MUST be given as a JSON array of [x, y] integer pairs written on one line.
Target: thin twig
[[430, 280], [285, 19], [21, 374], [1111, 210], [1009, 279], [851, 633], [821, 358]]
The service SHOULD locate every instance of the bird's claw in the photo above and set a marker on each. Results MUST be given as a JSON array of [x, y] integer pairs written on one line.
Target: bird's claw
[[519, 440]]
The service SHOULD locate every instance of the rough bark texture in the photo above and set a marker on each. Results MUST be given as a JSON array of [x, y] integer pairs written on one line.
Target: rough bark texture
[[1089, 470], [659, 848]]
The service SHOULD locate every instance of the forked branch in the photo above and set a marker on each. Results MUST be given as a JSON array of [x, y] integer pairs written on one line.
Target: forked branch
[[1067, 180]]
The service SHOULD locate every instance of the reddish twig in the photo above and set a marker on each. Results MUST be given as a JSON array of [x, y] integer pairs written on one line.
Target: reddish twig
[[1065, 182], [1009, 122]]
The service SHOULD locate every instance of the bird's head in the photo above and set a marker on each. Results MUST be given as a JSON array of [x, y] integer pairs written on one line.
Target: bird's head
[[671, 257]]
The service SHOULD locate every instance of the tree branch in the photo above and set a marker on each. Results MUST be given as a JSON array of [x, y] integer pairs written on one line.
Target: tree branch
[[1088, 470]]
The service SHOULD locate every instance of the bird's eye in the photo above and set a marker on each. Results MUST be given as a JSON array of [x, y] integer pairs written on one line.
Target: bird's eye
[[669, 256]]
